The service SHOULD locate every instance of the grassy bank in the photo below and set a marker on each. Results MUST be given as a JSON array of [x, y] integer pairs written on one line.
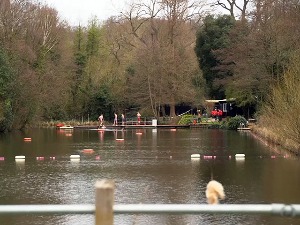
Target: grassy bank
[[70, 122], [276, 139]]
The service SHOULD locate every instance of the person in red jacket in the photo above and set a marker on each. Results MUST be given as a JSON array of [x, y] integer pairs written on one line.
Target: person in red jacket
[[219, 114], [214, 113]]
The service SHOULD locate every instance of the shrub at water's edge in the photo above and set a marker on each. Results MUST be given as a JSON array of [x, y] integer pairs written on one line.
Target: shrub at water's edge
[[186, 119], [232, 123], [235, 122], [279, 116]]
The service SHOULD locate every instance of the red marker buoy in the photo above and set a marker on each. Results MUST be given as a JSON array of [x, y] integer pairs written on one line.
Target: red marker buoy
[[88, 151], [27, 139]]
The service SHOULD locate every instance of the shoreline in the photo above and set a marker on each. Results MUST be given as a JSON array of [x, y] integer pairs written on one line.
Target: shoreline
[[274, 142]]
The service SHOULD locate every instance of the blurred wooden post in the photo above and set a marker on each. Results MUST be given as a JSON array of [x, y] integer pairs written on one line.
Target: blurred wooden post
[[104, 214]]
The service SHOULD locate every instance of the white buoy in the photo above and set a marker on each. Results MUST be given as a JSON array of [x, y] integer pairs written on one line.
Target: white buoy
[[240, 156], [75, 157], [195, 156], [120, 139], [20, 159]]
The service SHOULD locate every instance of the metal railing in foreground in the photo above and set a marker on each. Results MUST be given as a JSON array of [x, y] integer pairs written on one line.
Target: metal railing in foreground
[[272, 209], [104, 209]]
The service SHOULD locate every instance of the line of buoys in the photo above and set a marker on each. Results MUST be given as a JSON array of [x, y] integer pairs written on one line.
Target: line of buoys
[[193, 156], [27, 139], [197, 156]]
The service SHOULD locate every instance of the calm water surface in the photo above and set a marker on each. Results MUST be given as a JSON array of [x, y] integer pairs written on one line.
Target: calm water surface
[[149, 166]]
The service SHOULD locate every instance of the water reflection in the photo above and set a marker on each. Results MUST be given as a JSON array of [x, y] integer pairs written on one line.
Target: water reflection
[[144, 173], [20, 164]]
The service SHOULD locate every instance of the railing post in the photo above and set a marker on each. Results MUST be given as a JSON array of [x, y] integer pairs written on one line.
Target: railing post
[[104, 202]]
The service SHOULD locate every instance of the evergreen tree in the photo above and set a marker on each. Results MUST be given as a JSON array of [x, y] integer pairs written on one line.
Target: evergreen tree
[[212, 36]]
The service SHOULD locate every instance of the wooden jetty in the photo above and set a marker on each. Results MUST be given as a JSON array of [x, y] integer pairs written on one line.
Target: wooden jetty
[[244, 128], [135, 127]]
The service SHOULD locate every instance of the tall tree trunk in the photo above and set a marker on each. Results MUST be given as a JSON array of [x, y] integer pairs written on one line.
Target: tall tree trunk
[[172, 108]]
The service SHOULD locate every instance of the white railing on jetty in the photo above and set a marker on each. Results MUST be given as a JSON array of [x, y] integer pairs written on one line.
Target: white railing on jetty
[[190, 110], [104, 209]]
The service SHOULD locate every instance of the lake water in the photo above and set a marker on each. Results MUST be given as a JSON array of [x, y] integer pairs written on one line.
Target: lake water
[[149, 166]]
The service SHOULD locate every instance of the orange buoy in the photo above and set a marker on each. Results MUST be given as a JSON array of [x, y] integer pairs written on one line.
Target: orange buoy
[[119, 139], [59, 125], [88, 150], [27, 139]]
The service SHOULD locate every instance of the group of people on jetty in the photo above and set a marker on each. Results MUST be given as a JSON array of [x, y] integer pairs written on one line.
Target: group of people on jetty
[[217, 114], [101, 119]]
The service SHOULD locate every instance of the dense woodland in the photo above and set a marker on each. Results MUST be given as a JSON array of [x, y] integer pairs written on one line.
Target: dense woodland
[[153, 57]]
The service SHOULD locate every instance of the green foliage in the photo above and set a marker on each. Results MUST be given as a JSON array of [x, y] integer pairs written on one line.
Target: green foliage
[[6, 118], [235, 122], [186, 119], [6, 82], [93, 39], [100, 103], [211, 37]]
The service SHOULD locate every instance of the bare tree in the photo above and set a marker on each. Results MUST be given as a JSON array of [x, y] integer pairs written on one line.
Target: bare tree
[[260, 50], [234, 6], [163, 36]]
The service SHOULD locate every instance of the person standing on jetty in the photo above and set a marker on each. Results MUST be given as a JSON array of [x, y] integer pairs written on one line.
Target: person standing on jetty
[[116, 119], [123, 119], [138, 118], [100, 119]]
